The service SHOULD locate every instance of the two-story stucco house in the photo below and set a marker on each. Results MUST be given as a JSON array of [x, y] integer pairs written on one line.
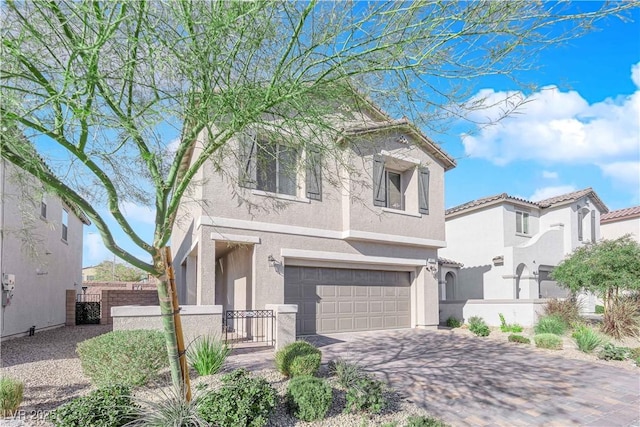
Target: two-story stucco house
[[510, 245], [40, 254], [352, 240], [617, 223]]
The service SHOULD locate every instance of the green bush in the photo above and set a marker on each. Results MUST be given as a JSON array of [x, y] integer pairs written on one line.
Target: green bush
[[611, 352], [567, 309], [478, 326], [599, 309], [551, 324], [105, 407], [11, 393], [298, 358], [422, 421], [206, 355], [519, 339], [309, 398], [453, 322], [366, 394], [241, 401], [634, 354], [621, 318], [551, 341], [346, 372], [511, 327], [587, 339], [123, 357]]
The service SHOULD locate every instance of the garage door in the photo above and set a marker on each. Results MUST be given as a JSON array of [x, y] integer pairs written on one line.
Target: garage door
[[343, 300]]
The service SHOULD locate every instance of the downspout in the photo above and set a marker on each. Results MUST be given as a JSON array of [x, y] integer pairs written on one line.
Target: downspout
[[2, 231]]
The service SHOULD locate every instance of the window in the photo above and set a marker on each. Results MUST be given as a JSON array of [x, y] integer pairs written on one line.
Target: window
[[522, 222], [276, 169], [585, 216], [390, 185], [65, 224], [43, 207], [395, 195]]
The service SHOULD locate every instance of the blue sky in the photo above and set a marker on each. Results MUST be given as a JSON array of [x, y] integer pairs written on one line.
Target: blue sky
[[581, 129]]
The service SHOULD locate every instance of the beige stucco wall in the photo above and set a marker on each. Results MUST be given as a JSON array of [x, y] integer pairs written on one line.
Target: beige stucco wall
[[41, 277], [615, 229]]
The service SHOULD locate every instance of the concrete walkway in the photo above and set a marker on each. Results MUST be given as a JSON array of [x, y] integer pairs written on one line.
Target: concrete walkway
[[474, 382]]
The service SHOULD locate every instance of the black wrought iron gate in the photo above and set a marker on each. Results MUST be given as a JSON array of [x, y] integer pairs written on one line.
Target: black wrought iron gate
[[88, 309], [251, 327]]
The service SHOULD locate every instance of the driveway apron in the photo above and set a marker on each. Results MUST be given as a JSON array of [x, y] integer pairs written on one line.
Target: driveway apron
[[470, 381]]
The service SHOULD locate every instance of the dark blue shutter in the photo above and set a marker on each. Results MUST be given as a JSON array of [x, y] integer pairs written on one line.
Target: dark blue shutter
[[314, 175], [423, 190], [379, 188]]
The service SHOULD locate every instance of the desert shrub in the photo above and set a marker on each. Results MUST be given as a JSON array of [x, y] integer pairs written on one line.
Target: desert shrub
[[551, 324], [241, 401], [567, 309], [478, 326], [123, 357], [366, 394], [169, 408], [519, 339], [11, 393], [547, 340], [207, 354], [621, 318], [511, 327], [611, 352], [453, 322], [298, 358], [422, 421], [587, 338], [346, 372], [634, 354], [309, 398], [105, 407], [599, 309]]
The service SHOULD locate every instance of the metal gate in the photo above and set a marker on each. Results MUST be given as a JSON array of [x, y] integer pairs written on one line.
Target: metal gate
[[249, 327], [88, 309]]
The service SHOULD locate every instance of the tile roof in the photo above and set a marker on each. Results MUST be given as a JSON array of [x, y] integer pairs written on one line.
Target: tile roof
[[546, 203], [447, 261], [619, 214]]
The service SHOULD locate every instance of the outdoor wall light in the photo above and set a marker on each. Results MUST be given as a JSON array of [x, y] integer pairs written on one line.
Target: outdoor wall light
[[272, 261]]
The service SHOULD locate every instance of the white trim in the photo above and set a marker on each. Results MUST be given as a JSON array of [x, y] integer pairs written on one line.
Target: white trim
[[393, 238], [281, 196], [400, 157], [236, 238], [353, 258], [194, 244], [401, 212]]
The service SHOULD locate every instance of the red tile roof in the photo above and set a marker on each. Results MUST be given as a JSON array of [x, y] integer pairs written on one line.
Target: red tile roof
[[620, 214]]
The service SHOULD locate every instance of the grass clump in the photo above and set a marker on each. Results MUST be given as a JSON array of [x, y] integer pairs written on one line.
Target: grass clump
[[309, 398], [511, 327], [207, 354], [130, 358], [453, 322], [366, 394], [599, 309], [519, 339], [110, 406], [551, 324], [566, 309], [298, 358], [621, 318], [242, 401], [587, 339], [11, 394], [478, 326], [171, 409], [346, 372], [547, 340], [422, 421], [611, 352]]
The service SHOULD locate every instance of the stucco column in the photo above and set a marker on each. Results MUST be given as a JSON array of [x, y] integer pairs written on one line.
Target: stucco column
[[206, 269], [427, 307], [285, 327]]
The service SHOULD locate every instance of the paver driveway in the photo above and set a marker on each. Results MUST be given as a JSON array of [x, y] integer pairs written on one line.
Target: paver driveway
[[478, 382]]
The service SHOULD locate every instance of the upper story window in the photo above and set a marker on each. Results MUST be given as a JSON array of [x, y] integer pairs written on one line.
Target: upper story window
[[65, 224], [391, 185], [522, 222], [276, 168], [586, 220], [43, 207]]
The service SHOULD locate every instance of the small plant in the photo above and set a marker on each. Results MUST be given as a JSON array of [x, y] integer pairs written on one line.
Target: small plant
[[519, 339], [587, 339], [611, 352], [298, 358], [621, 318], [206, 355], [422, 421], [634, 354], [242, 401], [453, 322], [11, 393], [511, 327], [366, 395], [309, 398], [550, 341], [478, 326], [105, 407], [599, 309], [171, 408], [551, 324], [347, 372], [123, 357], [566, 309]]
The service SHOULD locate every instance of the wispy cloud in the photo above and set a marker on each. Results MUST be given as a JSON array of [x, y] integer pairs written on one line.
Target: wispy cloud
[[546, 192], [549, 175], [134, 212], [95, 250]]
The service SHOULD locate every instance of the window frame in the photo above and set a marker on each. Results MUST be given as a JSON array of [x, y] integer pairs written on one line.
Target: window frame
[[65, 225], [401, 189], [264, 155], [522, 222], [43, 208]]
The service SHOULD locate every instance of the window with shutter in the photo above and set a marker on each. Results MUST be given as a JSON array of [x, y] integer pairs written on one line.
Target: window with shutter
[[314, 175], [580, 218], [593, 226], [423, 190], [276, 168]]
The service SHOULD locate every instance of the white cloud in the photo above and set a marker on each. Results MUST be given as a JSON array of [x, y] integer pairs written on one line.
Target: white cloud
[[134, 212], [550, 175], [635, 74], [96, 251], [623, 172], [546, 192]]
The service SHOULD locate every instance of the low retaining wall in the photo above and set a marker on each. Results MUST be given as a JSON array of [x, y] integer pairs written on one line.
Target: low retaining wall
[[524, 312], [113, 298]]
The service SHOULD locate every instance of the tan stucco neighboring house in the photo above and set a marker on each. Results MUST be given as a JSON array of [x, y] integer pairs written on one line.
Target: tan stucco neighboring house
[[40, 254], [509, 246], [353, 242], [617, 223]]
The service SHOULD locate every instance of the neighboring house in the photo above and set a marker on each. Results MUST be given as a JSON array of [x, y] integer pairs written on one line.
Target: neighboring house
[[510, 245], [616, 224], [40, 253], [317, 238], [89, 273]]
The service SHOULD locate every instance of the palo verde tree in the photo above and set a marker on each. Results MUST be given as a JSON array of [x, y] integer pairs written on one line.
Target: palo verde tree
[[100, 89]]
